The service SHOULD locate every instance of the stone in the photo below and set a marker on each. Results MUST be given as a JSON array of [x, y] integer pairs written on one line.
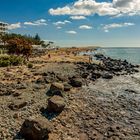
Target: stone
[[62, 78], [57, 86], [40, 81], [67, 87], [16, 94], [17, 105], [56, 104], [36, 129], [85, 75], [76, 82], [107, 76], [96, 75]]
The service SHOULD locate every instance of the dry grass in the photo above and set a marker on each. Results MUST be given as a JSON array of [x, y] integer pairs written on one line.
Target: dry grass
[[66, 55]]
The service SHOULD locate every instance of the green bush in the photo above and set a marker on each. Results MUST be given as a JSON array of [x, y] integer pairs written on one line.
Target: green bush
[[7, 60], [15, 61], [4, 63], [30, 65]]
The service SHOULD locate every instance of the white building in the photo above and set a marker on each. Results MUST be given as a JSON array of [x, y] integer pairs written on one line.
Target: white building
[[3, 27]]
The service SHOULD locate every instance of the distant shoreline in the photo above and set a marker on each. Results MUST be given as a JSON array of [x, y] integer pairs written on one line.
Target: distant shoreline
[[120, 47]]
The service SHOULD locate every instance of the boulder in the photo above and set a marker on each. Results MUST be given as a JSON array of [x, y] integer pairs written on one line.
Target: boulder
[[57, 86], [62, 78], [85, 75], [36, 129], [17, 105], [67, 87], [56, 104], [76, 82], [96, 75], [107, 76]]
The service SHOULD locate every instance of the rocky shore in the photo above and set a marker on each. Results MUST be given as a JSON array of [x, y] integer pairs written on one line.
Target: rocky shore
[[70, 101]]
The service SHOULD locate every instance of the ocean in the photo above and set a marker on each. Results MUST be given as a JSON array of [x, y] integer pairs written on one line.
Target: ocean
[[130, 54]]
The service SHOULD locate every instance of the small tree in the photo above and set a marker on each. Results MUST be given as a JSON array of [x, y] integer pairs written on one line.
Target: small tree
[[19, 46]]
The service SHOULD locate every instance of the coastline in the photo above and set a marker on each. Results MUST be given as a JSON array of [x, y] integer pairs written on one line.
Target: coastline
[[104, 106]]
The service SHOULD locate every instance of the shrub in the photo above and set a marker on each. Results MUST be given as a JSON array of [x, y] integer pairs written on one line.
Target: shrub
[[30, 65], [15, 61], [7, 60], [4, 63]]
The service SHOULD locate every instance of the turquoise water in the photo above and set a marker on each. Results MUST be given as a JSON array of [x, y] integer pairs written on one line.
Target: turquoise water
[[130, 54]]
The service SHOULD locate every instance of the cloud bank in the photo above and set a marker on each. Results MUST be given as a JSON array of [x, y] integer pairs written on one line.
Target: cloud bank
[[91, 7]]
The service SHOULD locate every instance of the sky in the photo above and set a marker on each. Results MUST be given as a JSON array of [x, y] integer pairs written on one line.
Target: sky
[[105, 23]]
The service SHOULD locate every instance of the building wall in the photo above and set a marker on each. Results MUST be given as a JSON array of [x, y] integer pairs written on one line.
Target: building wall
[[3, 27]]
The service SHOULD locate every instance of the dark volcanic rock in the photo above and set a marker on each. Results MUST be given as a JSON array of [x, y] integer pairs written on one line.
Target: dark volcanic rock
[[76, 82], [56, 89], [107, 68], [107, 76], [85, 75], [67, 87], [56, 104], [36, 129], [96, 75]]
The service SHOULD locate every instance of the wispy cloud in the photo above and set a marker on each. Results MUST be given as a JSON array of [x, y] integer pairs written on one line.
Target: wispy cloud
[[107, 27], [14, 26], [77, 17], [59, 27], [86, 27], [37, 22], [71, 32], [61, 22]]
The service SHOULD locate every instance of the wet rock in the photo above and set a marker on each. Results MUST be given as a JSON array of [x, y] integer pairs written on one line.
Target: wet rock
[[76, 82], [36, 129], [17, 105], [56, 104]]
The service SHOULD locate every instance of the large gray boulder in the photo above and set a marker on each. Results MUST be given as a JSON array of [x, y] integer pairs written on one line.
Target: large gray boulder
[[36, 129]]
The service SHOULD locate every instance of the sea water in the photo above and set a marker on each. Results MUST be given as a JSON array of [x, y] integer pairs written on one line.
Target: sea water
[[130, 54]]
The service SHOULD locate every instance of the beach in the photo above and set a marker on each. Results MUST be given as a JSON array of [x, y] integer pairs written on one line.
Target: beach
[[101, 97]]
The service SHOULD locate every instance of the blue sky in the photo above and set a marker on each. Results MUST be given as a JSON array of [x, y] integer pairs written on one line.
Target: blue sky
[[104, 23]]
